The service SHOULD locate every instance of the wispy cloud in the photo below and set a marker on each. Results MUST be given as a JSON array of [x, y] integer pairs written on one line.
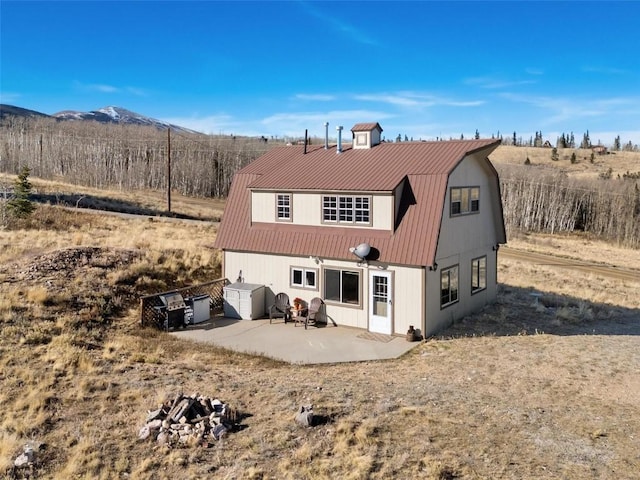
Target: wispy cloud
[[104, 88], [604, 70], [414, 99], [339, 25], [534, 71], [561, 109], [495, 83], [315, 97], [9, 97]]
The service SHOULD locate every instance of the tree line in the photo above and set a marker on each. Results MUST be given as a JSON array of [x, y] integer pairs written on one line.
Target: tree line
[[553, 203], [135, 157], [125, 156]]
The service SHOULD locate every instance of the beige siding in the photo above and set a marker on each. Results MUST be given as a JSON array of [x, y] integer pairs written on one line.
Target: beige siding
[[263, 207], [273, 271], [462, 239], [306, 209], [466, 232]]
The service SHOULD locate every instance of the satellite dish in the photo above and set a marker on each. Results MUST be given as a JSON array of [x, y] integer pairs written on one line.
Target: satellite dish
[[361, 251]]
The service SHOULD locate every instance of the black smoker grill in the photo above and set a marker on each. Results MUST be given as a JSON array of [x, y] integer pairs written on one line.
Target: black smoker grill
[[172, 310]]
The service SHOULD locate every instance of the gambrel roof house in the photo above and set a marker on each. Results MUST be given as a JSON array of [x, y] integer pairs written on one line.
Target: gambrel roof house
[[428, 216]]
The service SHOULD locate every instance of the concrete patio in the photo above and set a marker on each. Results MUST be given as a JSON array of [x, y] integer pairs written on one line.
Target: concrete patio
[[294, 344]]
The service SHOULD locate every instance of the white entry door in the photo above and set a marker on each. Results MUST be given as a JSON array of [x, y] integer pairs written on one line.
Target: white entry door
[[380, 299]]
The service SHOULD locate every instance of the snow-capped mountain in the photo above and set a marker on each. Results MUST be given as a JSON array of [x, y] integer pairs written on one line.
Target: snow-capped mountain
[[118, 115], [103, 115]]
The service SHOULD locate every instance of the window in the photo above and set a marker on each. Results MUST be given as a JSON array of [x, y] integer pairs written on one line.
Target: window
[[361, 139], [448, 286], [478, 274], [283, 206], [304, 278], [346, 209], [342, 286], [330, 209], [465, 200]]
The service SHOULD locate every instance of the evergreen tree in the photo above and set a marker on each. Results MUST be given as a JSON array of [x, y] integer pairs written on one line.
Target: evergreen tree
[[586, 141], [574, 159], [554, 155], [21, 206], [572, 141], [477, 134], [514, 139], [616, 143]]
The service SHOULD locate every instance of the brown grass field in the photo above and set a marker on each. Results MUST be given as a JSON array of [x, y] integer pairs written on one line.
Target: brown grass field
[[517, 391]]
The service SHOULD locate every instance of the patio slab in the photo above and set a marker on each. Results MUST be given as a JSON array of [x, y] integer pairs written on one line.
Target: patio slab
[[294, 344]]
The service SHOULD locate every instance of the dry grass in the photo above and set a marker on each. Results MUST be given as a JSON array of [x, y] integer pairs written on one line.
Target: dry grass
[[619, 162], [517, 391]]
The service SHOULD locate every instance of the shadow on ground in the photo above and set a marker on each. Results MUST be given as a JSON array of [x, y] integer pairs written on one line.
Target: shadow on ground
[[108, 204], [521, 311]]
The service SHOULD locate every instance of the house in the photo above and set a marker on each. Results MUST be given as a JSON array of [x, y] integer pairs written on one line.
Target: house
[[389, 235], [599, 149]]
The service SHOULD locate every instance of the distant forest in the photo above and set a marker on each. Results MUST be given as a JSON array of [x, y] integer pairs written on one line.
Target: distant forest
[[135, 157]]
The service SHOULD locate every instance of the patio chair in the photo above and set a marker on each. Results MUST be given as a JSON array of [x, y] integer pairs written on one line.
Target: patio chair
[[314, 312], [281, 307]]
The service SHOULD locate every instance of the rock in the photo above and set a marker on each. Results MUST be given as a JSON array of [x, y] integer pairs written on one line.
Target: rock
[[304, 416], [219, 431], [144, 432]]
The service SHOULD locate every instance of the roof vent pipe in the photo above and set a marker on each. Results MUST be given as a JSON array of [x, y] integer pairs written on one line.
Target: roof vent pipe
[[326, 135], [339, 129], [305, 141]]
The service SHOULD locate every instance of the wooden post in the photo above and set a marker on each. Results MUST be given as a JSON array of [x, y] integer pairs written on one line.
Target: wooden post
[[169, 170]]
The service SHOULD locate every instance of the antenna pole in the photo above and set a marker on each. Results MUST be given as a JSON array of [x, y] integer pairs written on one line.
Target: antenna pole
[[169, 170]]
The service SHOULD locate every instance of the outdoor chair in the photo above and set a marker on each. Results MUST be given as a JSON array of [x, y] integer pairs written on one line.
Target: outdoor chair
[[314, 313], [281, 307]]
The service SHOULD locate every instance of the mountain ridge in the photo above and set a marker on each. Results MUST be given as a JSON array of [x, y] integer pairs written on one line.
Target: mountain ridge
[[109, 114]]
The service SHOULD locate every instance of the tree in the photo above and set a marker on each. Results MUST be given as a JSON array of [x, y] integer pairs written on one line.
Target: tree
[[572, 141], [21, 206], [514, 139], [574, 159], [586, 141], [477, 134], [616, 144], [554, 155]]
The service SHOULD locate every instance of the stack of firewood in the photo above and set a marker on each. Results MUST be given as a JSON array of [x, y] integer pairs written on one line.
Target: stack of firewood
[[194, 420]]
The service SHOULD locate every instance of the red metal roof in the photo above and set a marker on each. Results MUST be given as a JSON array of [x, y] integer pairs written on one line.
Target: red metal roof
[[366, 127], [423, 166]]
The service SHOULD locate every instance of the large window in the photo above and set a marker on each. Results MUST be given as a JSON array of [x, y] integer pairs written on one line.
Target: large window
[[304, 278], [478, 274], [465, 200], [346, 209], [283, 206], [448, 286], [342, 286]]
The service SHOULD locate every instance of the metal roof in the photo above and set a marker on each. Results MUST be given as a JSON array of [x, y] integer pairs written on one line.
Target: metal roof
[[422, 167]]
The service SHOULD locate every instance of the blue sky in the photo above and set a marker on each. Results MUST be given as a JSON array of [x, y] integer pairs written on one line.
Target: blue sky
[[424, 69]]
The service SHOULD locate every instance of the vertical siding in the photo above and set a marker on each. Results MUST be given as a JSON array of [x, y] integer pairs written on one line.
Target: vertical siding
[[273, 272], [263, 207]]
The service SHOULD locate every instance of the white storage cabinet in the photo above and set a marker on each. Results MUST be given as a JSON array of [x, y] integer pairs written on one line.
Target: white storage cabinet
[[244, 300]]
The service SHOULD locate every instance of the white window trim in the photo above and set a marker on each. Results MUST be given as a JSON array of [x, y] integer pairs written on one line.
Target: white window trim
[[304, 284], [353, 211], [290, 207]]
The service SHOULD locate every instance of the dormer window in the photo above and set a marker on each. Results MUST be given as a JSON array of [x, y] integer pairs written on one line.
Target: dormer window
[[366, 135], [283, 207], [346, 209]]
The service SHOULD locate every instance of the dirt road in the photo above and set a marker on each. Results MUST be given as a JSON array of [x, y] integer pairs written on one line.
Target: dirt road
[[617, 273]]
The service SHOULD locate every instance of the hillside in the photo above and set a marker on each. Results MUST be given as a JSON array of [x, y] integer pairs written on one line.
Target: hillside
[[614, 163], [518, 391]]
